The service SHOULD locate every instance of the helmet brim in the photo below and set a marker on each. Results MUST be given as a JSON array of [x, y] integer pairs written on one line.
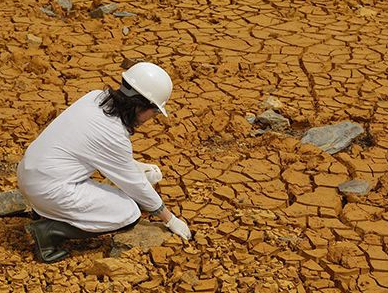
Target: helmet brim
[[135, 86]]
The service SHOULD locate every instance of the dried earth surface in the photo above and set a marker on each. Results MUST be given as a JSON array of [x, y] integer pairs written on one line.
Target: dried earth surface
[[265, 210]]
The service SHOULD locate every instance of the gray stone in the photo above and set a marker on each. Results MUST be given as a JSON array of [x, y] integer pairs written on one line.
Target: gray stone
[[359, 187], [274, 120], [12, 202], [250, 117], [66, 4], [109, 8], [97, 13], [333, 138], [258, 132], [123, 14], [104, 9], [125, 30], [144, 235], [48, 10]]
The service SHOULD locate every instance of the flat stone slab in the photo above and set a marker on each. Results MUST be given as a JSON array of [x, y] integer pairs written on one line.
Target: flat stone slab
[[333, 138], [65, 4], [359, 187], [12, 202], [275, 120], [144, 235]]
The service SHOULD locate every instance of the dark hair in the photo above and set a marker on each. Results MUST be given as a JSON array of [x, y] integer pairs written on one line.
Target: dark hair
[[115, 103]]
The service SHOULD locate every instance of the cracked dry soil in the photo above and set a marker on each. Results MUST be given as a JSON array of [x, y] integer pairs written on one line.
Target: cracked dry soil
[[266, 212]]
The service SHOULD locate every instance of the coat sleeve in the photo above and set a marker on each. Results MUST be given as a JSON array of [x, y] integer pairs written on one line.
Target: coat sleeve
[[115, 161]]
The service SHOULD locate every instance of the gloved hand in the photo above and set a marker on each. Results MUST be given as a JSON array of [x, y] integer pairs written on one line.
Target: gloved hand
[[152, 172], [179, 227], [154, 175]]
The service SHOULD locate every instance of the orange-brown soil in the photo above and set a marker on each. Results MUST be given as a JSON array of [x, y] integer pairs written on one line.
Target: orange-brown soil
[[265, 211]]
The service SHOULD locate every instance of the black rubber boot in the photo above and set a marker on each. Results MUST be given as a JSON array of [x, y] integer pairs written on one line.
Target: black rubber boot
[[49, 234], [34, 215]]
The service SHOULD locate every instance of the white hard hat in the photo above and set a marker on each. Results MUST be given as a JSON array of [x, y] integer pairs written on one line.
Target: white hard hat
[[151, 81]]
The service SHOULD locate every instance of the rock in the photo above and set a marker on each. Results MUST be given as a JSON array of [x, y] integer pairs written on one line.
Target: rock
[[48, 10], [12, 202], [251, 118], [257, 132], [145, 234], [125, 30], [34, 41], [97, 13], [272, 103], [123, 14], [104, 9], [274, 120], [333, 138], [66, 4], [359, 187], [108, 8]]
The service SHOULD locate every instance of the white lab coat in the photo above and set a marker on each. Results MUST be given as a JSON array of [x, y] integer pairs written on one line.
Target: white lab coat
[[55, 171]]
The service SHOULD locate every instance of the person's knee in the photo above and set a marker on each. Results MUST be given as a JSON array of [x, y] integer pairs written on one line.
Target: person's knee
[[137, 216], [136, 222]]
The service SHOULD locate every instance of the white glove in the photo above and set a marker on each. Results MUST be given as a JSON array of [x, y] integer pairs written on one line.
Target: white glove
[[179, 227], [151, 171]]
